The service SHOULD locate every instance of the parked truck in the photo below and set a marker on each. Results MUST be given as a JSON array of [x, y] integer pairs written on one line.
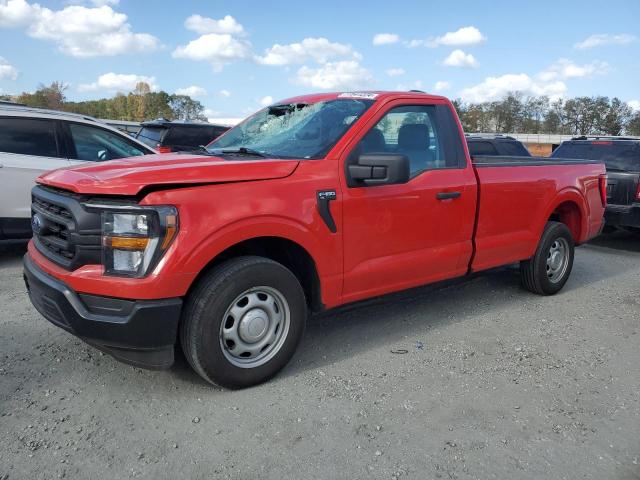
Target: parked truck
[[311, 203]]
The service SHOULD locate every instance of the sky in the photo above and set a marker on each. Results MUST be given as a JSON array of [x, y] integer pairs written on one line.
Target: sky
[[236, 56]]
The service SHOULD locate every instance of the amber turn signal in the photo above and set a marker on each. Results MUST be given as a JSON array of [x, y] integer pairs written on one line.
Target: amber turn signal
[[126, 243]]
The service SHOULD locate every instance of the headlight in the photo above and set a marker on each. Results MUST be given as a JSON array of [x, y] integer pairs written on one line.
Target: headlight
[[134, 240]]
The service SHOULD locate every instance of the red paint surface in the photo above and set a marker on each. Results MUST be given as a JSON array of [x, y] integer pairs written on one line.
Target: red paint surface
[[388, 237]]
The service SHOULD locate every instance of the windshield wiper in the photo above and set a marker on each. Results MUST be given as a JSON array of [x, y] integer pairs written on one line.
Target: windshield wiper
[[245, 151]]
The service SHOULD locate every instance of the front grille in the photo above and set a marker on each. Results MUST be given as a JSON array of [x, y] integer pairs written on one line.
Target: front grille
[[54, 232], [64, 231], [49, 207]]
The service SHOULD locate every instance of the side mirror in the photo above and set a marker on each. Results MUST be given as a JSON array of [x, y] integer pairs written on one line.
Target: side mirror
[[379, 169]]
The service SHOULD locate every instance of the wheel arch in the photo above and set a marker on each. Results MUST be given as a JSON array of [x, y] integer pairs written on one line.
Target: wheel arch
[[570, 209], [284, 242]]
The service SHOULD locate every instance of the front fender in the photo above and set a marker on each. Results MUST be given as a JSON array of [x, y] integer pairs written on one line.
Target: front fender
[[328, 264]]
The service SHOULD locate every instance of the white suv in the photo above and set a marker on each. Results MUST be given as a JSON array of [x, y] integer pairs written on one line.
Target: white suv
[[33, 141]]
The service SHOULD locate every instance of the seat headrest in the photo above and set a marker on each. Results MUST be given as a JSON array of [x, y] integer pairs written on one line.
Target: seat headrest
[[414, 136], [374, 141]]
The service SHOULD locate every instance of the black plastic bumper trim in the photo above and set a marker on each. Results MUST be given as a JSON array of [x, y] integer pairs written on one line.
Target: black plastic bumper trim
[[623, 215], [139, 332]]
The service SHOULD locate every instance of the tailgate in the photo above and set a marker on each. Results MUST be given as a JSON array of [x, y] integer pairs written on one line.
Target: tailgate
[[622, 187]]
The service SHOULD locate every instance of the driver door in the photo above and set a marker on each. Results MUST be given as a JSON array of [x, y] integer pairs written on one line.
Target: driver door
[[404, 235]]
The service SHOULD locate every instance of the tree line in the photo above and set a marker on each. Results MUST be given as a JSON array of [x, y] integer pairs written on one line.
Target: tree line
[[517, 113], [139, 105]]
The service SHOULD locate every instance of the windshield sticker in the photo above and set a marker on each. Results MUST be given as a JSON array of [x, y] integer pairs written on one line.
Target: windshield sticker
[[365, 95]]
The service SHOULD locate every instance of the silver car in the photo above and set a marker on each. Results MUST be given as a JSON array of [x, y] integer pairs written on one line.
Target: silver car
[[33, 141]]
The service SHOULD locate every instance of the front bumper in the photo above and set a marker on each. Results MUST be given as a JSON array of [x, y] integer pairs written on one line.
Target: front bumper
[[623, 215], [138, 332]]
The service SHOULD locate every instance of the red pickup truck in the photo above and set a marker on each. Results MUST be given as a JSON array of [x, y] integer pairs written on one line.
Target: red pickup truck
[[311, 203]]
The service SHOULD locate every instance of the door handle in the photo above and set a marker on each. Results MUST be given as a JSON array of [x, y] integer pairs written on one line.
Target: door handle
[[447, 195]]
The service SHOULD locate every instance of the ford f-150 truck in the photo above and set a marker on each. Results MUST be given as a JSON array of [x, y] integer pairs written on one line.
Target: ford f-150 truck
[[311, 203]]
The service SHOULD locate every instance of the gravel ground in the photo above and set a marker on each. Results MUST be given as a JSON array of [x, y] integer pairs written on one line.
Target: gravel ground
[[496, 383]]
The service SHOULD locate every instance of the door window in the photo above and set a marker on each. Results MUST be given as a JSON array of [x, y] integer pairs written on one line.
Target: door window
[[28, 136], [151, 136], [97, 144], [412, 131], [482, 148], [190, 136], [515, 149]]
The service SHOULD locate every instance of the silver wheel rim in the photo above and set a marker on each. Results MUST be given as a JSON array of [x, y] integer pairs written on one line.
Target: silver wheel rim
[[557, 260], [255, 327]]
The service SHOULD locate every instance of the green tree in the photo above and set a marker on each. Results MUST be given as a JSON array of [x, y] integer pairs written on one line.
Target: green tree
[[633, 125], [51, 96], [185, 108], [617, 116]]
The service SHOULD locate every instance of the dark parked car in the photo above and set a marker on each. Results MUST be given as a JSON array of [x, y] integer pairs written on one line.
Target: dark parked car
[[495, 145], [621, 155], [178, 136]]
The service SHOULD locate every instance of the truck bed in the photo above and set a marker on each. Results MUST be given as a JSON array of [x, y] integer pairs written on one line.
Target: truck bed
[[504, 161], [510, 216]]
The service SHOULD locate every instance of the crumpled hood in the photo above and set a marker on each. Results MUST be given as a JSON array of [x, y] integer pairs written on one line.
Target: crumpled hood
[[128, 176]]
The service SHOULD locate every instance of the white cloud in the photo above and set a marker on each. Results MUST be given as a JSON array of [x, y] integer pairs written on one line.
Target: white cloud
[[118, 82], [18, 13], [458, 58], [7, 70], [192, 91], [230, 121], [385, 38], [565, 68], [601, 39], [77, 30], [441, 86], [634, 104], [342, 75], [216, 48], [493, 88], [224, 93], [463, 36], [204, 25], [266, 101], [395, 72], [319, 50], [99, 3]]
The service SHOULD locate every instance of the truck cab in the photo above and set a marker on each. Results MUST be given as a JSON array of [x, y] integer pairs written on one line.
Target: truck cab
[[313, 202]]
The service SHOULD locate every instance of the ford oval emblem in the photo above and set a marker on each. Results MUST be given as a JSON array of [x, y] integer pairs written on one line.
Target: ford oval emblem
[[36, 223]]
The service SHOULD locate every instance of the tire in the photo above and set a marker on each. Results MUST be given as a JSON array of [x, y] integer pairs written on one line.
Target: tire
[[247, 305], [546, 272]]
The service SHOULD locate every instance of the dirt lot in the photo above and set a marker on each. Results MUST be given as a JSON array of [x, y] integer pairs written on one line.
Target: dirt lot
[[496, 383]]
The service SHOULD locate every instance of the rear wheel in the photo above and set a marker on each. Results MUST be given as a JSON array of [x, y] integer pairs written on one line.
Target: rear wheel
[[548, 270], [243, 322]]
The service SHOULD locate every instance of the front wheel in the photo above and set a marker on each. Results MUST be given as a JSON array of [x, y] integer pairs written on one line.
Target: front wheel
[[243, 322], [548, 270]]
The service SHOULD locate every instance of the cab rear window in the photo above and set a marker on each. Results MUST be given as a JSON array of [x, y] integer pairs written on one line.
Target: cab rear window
[[192, 136], [616, 156], [481, 148]]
